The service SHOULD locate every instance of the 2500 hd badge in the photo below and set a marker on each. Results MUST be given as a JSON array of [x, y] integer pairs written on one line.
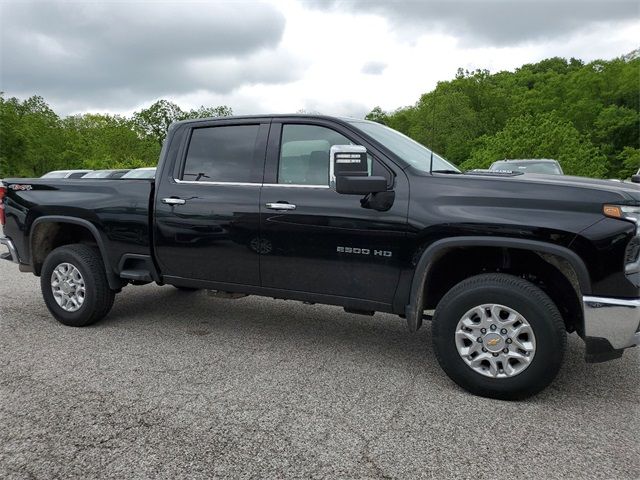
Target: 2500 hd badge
[[364, 251]]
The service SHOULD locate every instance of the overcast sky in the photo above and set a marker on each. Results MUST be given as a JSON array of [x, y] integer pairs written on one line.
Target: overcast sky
[[331, 56]]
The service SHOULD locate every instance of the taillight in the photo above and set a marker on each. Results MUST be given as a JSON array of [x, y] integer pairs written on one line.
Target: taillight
[[3, 192]]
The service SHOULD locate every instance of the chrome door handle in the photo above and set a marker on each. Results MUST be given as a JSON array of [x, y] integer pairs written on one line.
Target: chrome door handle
[[281, 206], [174, 201]]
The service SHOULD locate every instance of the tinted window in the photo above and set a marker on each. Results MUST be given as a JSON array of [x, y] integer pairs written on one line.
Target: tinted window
[[99, 174], [142, 173], [118, 174], [54, 175], [221, 154]]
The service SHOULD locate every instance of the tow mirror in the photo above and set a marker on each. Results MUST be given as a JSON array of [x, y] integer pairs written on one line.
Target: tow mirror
[[349, 171], [635, 178]]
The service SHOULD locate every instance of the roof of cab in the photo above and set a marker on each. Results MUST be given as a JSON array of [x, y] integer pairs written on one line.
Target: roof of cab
[[269, 117]]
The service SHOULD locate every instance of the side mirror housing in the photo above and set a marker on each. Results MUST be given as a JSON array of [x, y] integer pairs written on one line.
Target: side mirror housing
[[635, 178], [349, 171]]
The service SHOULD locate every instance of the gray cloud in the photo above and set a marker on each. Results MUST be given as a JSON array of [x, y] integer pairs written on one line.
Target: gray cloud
[[494, 22], [373, 68], [118, 53]]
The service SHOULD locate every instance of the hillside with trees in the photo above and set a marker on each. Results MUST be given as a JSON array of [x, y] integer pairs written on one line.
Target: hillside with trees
[[35, 140], [586, 115]]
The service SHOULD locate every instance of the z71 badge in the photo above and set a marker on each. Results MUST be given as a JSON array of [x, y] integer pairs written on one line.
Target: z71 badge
[[364, 251]]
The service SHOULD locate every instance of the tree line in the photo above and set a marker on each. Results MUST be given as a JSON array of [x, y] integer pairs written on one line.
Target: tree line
[[35, 140], [586, 115]]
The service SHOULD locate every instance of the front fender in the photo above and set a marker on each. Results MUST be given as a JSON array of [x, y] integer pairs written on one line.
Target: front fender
[[414, 309]]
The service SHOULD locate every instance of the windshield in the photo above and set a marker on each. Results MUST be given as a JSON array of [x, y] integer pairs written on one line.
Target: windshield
[[101, 174], [527, 167], [54, 175], [415, 154]]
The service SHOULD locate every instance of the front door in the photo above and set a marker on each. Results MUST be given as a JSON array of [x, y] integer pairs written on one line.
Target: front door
[[207, 212], [316, 240]]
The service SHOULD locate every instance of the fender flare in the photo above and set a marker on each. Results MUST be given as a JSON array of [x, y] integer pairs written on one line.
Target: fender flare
[[413, 310], [114, 282]]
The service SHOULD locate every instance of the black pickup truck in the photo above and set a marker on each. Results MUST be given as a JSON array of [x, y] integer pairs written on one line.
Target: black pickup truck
[[350, 213]]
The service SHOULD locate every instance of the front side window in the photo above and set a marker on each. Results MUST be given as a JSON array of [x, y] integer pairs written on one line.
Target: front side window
[[221, 154], [304, 154]]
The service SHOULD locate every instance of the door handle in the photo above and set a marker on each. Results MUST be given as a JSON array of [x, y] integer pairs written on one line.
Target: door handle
[[174, 201], [281, 206]]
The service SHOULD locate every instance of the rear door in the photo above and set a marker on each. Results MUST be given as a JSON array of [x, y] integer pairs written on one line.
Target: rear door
[[316, 240], [207, 208]]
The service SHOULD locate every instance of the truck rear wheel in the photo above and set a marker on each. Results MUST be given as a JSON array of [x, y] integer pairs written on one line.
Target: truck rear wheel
[[74, 285], [499, 336]]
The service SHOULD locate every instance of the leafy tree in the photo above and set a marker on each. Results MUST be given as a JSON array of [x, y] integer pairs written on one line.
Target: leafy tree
[[544, 135], [153, 122], [377, 115], [629, 158], [465, 118], [34, 140], [207, 112]]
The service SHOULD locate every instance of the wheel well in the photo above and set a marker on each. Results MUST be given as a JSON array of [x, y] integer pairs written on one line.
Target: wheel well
[[51, 235], [552, 273]]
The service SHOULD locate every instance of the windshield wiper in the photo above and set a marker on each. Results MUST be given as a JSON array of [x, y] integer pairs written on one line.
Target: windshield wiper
[[446, 171]]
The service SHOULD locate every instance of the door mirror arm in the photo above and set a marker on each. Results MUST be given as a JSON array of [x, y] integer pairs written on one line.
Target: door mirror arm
[[380, 201]]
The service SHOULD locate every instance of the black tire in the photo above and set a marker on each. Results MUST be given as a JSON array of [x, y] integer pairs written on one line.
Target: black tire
[[525, 298], [98, 298], [186, 289]]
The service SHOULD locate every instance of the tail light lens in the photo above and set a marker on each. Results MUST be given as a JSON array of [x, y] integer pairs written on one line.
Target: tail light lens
[[3, 193]]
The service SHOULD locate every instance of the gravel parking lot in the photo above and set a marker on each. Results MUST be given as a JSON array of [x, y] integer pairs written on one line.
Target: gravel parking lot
[[182, 385]]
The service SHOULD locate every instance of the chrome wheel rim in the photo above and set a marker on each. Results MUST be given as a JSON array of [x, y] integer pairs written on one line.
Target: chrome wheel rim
[[67, 286], [495, 341]]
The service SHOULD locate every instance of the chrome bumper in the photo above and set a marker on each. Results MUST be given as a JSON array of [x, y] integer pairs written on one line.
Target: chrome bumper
[[13, 253], [615, 320]]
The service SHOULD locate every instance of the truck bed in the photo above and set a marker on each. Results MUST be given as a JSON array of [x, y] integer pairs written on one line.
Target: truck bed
[[118, 209]]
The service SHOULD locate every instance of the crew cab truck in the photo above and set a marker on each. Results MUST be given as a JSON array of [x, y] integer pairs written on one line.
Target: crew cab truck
[[350, 213]]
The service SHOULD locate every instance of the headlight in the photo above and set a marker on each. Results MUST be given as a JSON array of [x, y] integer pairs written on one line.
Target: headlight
[[632, 253]]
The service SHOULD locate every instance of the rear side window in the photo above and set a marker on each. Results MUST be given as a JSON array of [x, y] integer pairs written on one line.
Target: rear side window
[[221, 154]]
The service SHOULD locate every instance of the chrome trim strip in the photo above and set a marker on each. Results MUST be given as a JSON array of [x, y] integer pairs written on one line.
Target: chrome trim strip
[[235, 184], [7, 242], [251, 184], [614, 319], [293, 185]]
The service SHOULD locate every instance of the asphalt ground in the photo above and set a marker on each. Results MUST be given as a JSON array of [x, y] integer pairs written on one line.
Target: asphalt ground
[[183, 385]]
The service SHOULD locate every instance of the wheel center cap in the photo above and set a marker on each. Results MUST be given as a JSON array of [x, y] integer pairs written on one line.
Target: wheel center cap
[[66, 288], [493, 342]]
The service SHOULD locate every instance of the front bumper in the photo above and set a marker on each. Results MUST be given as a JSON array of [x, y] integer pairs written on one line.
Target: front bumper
[[610, 326], [13, 253]]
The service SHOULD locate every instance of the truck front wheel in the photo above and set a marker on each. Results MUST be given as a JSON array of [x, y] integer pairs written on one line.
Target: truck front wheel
[[499, 336], [74, 285]]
